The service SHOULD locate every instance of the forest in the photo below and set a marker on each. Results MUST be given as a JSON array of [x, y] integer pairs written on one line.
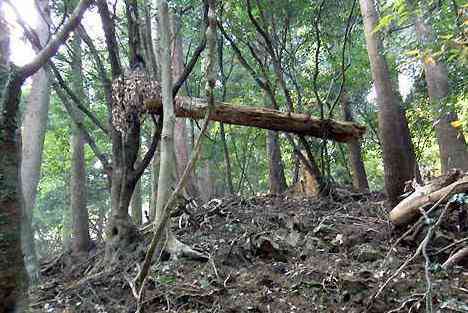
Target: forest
[[233, 156]]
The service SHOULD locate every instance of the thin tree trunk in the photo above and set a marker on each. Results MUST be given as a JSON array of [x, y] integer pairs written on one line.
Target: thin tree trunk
[[227, 159], [398, 158], [452, 144], [78, 193], [136, 204], [358, 170], [154, 185], [33, 133]]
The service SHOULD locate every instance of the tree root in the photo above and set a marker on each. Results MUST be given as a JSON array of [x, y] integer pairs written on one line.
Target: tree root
[[178, 249]]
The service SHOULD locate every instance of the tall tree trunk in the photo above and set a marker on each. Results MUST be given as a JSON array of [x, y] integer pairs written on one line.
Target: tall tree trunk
[[78, 193], [33, 133], [227, 159], [166, 168], [180, 131], [275, 162], [398, 157], [358, 170], [12, 274], [452, 144]]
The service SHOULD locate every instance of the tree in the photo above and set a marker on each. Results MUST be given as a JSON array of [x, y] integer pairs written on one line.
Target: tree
[[356, 163], [13, 279], [452, 144], [33, 127], [80, 240], [398, 157], [180, 131]]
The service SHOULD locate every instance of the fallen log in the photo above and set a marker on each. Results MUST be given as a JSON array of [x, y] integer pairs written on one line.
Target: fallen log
[[443, 187], [261, 117]]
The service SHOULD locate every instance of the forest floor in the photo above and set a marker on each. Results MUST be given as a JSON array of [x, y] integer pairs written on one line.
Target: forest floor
[[277, 254]]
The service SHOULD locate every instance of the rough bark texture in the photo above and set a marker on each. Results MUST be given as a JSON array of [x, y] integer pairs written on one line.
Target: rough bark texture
[[275, 164], [398, 159], [266, 118], [33, 133], [358, 170], [78, 187], [180, 131], [452, 145], [12, 273]]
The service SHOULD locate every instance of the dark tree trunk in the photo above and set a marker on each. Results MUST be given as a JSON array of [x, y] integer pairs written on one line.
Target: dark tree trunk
[[13, 278], [358, 170], [275, 164], [398, 157]]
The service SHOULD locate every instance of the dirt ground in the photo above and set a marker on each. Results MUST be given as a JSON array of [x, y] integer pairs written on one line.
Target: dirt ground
[[277, 254]]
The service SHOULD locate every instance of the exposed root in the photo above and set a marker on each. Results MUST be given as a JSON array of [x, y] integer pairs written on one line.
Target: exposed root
[[178, 249]]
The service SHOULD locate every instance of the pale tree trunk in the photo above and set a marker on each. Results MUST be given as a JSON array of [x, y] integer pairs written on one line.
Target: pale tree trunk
[[398, 157], [358, 170], [136, 204], [33, 133], [78, 188], [180, 131], [167, 169], [207, 190], [154, 185], [452, 144]]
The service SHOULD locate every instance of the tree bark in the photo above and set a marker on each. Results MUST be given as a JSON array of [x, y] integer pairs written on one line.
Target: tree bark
[[78, 194], [166, 168], [261, 117], [33, 133], [136, 204], [398, 158], [275, 164], [452, 144], [180, 130], [224, 78], [13, 278], [358, 170]]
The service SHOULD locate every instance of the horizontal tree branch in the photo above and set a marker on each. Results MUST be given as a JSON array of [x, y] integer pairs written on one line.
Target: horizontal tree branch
[[266, 118]]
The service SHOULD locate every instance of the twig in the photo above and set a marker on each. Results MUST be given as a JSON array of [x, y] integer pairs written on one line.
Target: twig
[[420, 248]]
